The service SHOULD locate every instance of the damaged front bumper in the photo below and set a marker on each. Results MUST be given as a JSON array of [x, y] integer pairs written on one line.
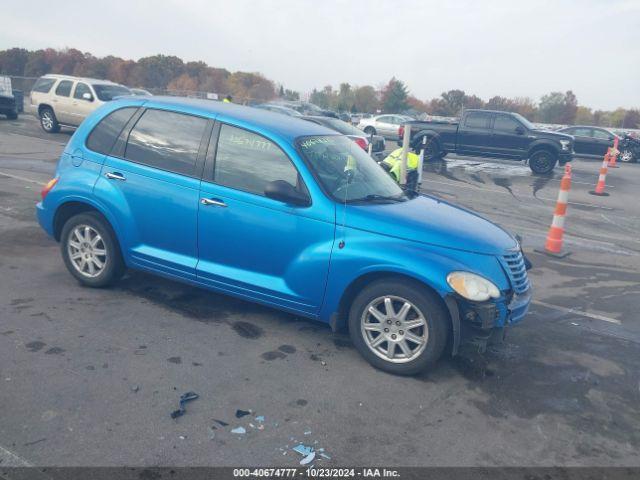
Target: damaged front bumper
[[475, 322]]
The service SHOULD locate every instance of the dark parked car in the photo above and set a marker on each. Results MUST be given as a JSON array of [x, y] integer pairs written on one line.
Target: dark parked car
[[8, 105], [290, 112], [590, 141], [490, 133], [352, 132]]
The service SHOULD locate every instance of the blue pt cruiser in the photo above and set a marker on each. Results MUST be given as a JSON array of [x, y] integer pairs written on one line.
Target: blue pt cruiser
[[282, 212]]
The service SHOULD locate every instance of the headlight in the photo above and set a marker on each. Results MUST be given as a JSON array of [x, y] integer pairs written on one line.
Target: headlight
[[565, 144], [472, 287]]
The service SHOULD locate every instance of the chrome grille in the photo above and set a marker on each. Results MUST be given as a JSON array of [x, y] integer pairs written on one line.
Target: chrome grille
[[517, 271]]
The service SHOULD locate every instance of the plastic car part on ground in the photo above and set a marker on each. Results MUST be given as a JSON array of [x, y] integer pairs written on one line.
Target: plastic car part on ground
[[184, 398]]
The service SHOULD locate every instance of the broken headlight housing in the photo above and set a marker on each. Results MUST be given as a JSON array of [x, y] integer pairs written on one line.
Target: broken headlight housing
[[472, 287]]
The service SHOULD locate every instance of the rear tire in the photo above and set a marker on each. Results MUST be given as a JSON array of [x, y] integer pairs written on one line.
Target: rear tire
[[12, 115], [432, 150], [370, 131], [418, 337], [542, 161], [90, 250], [48, 120]]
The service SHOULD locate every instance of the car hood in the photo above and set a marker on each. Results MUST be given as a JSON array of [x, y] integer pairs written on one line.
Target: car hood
[[553, 135], [431, 221]]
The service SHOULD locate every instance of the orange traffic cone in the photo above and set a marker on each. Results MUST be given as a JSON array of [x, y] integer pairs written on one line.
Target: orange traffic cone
[[601, 179], [553, 245]]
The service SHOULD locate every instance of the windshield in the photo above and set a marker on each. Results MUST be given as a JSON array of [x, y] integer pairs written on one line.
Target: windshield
[[524, 121], [346, 172], [340, 126], [107, 92]]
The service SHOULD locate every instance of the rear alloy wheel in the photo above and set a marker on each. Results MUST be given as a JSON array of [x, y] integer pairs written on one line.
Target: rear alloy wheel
[[48, 121], [398, 327], [90, 251], [542, 161], [627, 156]]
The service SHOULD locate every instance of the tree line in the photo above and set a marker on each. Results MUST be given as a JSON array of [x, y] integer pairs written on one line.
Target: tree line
[[160, 73]]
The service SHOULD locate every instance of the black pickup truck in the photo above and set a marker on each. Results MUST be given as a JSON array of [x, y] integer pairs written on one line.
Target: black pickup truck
[[489, 133]]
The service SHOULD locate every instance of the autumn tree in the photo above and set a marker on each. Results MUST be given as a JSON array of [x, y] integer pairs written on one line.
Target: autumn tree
[[394, 96]]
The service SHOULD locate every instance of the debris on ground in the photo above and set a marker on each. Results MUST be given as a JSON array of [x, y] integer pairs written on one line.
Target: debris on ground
[[221, 423], [308, 453], [242, 413], [239, 430], [184, 398]]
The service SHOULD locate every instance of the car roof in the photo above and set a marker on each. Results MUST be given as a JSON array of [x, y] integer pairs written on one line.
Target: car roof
[[287, 127], [80, 79]]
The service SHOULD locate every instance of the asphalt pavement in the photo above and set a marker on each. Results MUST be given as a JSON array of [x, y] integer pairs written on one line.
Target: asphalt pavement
[[89, 377]]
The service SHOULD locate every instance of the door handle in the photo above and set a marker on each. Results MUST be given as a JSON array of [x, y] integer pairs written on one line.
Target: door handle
[[115, 176], [211, 201]]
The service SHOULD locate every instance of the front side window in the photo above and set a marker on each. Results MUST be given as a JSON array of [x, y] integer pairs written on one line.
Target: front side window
[[104, 135], [106, 92], [581, 132], [166, 140], [385, 119], [248, 162], [601, 135], [346, 172], [477, 120], [505, 123], [81, 89], [43, 85], [64, 88]]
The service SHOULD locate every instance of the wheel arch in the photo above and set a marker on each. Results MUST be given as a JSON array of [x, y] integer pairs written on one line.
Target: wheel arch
[[42, 106], [431, 135], [339, 319], [543, 145]]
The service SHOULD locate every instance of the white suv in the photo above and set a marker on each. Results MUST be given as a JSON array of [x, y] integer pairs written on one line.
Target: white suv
[[62, 100]]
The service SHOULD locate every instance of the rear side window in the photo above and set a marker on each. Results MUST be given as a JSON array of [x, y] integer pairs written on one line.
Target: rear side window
[[43, 85], [477, 120], [64, 88], [166, 140], [105, 133], [248, 162]]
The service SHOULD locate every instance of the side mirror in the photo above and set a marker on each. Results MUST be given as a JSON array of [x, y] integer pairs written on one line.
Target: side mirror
[[519, 130], [287, 193], [87, 96]]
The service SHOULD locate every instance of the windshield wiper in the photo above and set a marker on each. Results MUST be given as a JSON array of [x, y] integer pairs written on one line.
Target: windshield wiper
[[380, 198]]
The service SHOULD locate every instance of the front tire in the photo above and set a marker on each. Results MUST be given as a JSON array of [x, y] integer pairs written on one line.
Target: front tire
[[398, 326], [90, 250], [627, 156], [542, 161], [48, 120]]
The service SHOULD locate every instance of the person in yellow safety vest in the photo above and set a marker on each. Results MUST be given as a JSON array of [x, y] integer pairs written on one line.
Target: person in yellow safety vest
[[228, 99], [394, 161]]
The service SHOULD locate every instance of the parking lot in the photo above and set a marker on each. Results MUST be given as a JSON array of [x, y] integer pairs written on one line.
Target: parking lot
[[89, 377]]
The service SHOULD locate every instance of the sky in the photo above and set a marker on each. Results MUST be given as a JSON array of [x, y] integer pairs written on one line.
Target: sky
[[512, 48]]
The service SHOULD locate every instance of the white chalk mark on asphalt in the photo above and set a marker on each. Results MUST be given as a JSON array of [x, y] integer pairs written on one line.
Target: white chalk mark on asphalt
[[574, 311], [24, 179], [10, 459]]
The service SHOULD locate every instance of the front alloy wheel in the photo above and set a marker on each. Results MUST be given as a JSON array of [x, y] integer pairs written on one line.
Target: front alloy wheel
[[394, 329], [626, 156], [398, 325]]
